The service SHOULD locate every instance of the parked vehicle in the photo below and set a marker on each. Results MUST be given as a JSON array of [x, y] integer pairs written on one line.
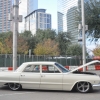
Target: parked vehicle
[[50, 76]]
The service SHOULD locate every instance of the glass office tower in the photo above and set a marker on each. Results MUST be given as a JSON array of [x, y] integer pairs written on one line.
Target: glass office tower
[[5, 8], [38, 19], [31, 6], [66, 17]]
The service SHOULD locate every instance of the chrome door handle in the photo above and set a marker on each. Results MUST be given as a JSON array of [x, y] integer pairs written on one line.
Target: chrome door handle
[[22, 75], [42, 75]]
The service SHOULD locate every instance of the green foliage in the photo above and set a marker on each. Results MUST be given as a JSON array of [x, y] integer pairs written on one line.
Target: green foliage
[[92, 17], [26, 35], [31, 40], [64, 40], [2, 50], [96, 51], [22, 46], [47, 47], [45, 34], [6, 43], [48, 40], [74, 49], [4, 36]]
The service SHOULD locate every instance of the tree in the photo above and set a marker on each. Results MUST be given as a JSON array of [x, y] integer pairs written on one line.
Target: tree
[[74, 49], [92, 17], [26, 35], [2, 50], [47, 47], [45, 34], [3, 40], [31, 40], [22, 45], [96, 51], [4, 35], [8, 44], [64, 40]]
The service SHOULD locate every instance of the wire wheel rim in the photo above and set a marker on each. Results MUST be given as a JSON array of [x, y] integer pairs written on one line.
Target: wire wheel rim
[[14, 86], [83, 87]]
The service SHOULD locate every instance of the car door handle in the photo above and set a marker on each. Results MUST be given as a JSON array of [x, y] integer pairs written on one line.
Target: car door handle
[[22, 75], [42, 75]]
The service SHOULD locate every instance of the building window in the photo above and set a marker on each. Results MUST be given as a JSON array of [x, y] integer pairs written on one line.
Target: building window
[[41, 19], [48, 25], [45, 26], [44, 15], [45, 20], [41, 15], [47, 16], [48, 20], [41, 25]]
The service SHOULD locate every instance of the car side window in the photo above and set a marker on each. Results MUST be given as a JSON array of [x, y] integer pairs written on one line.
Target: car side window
[[49, 69], [32, 68]]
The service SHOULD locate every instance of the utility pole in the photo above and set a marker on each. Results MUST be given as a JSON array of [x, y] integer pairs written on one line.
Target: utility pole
[[15, 32], [15, 18], [83, 34]]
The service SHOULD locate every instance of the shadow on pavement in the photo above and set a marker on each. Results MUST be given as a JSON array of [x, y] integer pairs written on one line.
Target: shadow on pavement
[[47, 91]]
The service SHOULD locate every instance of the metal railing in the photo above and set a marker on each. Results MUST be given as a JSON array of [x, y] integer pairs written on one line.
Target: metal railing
[[6, 59]]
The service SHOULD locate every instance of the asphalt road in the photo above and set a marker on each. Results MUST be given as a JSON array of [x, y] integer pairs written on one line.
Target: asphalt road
[[6, 94]]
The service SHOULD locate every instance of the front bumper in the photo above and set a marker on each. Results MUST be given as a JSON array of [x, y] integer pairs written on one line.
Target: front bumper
[[96, 86]]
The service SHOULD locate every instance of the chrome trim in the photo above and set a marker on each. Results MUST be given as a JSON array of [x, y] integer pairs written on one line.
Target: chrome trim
[[96, 86]]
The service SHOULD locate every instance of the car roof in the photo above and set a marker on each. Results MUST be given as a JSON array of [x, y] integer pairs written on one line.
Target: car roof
[[39, 62]]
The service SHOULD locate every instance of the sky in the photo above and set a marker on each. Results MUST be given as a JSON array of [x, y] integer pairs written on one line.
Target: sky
[[49, 5]]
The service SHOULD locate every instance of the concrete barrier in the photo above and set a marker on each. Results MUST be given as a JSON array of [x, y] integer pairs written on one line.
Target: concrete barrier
[[6, 68], [88, 68]]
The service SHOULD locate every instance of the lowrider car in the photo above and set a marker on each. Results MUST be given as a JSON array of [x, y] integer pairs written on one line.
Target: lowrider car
[[50, 76]]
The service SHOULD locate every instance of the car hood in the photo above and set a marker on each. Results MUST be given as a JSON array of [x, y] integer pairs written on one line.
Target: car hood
[[89, 73], [82, 66]]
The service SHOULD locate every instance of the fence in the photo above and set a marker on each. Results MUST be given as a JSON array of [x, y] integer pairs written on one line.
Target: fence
[[7, 59]]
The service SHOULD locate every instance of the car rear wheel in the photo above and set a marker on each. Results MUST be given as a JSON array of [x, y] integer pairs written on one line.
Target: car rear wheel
[[83, 87], [14, 86]]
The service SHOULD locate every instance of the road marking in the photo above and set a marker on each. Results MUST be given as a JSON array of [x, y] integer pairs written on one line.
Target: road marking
[[14, 94]]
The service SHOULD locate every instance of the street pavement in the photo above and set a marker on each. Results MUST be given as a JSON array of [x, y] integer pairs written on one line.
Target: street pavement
[[6, 94]]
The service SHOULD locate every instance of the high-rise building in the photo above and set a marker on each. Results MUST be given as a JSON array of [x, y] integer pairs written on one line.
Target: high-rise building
[[66, 17], [38, 19], [31, 5], [5, 8]]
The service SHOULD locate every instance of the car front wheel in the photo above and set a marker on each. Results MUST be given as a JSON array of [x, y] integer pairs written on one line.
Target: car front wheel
[[14, 86], [83, 87]]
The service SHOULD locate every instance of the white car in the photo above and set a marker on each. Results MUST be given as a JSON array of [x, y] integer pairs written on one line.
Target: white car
[[50, 76]]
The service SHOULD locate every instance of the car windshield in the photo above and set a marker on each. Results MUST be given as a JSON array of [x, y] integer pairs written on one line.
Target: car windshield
[[62, 68]]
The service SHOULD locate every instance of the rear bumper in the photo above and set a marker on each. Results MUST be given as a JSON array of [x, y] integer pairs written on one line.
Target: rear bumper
[[96, 86]]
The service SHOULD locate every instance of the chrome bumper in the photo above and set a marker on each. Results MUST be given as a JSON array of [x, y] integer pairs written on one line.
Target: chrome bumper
[[96, 86]]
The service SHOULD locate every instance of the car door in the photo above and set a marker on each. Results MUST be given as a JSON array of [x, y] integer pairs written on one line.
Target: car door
[[51, 78], [30, 77]]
